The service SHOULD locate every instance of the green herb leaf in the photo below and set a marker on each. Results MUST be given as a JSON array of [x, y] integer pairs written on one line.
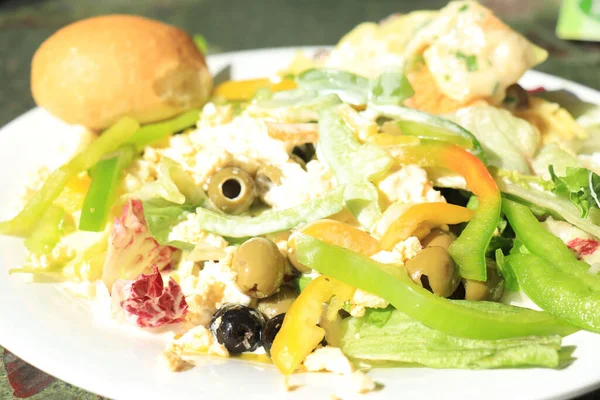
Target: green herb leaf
[[470, 61], [581, 186]]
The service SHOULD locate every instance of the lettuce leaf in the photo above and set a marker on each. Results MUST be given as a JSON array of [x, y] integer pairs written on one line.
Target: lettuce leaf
[[553, 154], [173, 185], [403, 340], [581, 186], [509, 142]]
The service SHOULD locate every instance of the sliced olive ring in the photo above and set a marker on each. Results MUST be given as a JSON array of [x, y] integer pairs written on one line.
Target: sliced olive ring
[[231, 190]]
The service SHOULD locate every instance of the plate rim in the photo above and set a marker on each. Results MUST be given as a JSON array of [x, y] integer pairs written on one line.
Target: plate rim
[[588, 93]]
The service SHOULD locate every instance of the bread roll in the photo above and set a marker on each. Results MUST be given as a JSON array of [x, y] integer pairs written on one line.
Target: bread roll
[[96, 70]]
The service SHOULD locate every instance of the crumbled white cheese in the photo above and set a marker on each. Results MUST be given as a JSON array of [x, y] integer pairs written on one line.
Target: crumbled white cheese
[[409, 184], [402, 252], [361, 300], [201, 340], [172, 359], [329, 359], [188, 231], [213, 115], [140, 171], [213, 287], [59, 256], [563, 230], [298, 186], [359, 382]]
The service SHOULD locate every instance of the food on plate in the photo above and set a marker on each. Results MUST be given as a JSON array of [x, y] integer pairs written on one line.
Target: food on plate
[[377, 205], [94, 71]]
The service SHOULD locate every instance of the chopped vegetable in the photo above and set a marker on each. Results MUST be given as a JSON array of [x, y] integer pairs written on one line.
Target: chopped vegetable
[[109, 141], [476, 320], [390, 88], [299, 334], [530, 190], [270, 221], [354, 165], [469, 249], [151, 133], [423, 215], [509, 142], [581, 186], [100, 198], [173, 185], [402, 339], [52, 225], [150, 304], [426, 126], [349, 87], [561, 293], [544, 244], [246, 89], [131, 248]]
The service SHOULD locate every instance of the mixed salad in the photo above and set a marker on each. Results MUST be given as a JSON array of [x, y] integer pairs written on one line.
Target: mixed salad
[[379, 204]]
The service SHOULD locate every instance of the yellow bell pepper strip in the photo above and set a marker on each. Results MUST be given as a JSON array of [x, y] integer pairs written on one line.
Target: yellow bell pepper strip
[[468, 251], [109, 141], [544, 244], [150, 133], [424, 213], [426, 126], [52, 225], [558, 292], [244, 90], [299, 334], [354, 164], [106, 179], [391, 282], [270, 221]]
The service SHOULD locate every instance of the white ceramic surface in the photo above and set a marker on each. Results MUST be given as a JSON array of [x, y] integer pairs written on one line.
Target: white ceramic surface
[[59, 335]]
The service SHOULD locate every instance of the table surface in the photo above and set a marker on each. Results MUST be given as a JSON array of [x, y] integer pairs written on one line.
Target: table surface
[[237, 25]]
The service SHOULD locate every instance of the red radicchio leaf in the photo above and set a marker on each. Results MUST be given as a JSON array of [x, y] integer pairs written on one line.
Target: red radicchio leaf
[[131, 248], [583, 246], [151, 304]]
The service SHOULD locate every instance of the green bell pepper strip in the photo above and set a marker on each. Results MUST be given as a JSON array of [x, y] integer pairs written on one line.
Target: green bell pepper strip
[[468, 251], [392, 283], [544, 244], [271, 221], [426, 126], [151, 133], [556, 291], [109, 141], [101, 196], [47, 232], [354, 164]]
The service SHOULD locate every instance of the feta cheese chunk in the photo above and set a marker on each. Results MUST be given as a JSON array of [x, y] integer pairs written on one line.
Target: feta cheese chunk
[[409, 184]]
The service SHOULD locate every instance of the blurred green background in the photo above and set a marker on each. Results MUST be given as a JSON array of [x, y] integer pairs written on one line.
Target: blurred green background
[[236, 25]]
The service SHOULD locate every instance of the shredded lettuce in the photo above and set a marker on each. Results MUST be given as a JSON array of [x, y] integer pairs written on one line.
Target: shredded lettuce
[[509, 142], [403, 340], [553, 154], [173, 185]]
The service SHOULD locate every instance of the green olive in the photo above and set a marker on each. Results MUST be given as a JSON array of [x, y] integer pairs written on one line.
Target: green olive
[[259, 266], [437, 267], [490, 290], [277, 303], [438, 238], [231, 190], [516, 98]]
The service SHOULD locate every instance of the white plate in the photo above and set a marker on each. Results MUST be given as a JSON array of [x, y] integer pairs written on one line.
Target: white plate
[[59, 335]]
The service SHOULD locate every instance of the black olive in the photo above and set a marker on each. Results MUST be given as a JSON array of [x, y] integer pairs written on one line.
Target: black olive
[[306, 152], [270, 331], [238, 328]]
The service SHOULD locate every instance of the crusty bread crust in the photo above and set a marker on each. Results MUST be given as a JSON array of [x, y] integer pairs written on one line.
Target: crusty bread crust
[[96, 70]]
